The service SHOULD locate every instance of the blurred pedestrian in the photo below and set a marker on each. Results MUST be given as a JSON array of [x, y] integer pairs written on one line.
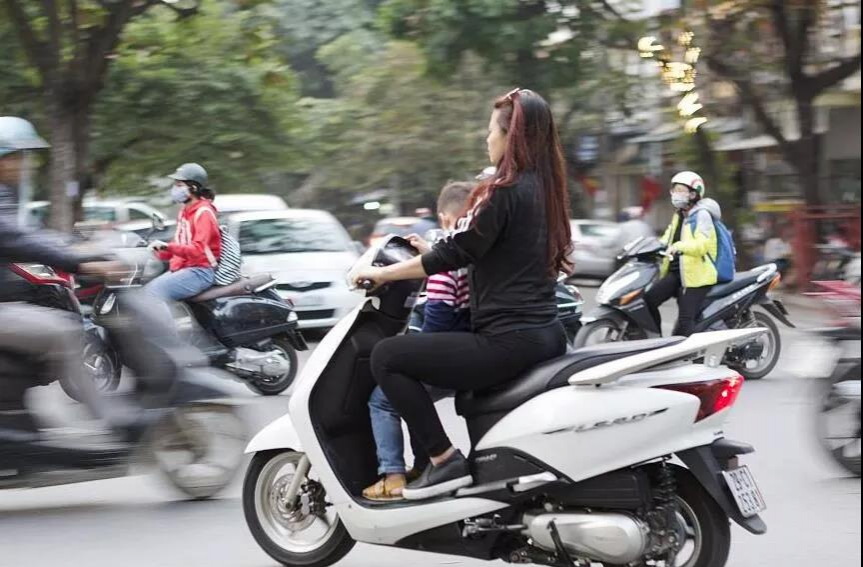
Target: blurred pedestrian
[[778, 251], [632, 226]]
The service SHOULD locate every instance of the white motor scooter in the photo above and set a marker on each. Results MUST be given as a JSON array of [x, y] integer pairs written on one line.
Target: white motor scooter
[[572, 462]]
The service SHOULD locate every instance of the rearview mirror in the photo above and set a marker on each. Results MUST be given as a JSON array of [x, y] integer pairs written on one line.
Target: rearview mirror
[[158, 222]]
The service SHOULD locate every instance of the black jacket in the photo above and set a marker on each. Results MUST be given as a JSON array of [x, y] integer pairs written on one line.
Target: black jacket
[[504, 244], [17, 245]]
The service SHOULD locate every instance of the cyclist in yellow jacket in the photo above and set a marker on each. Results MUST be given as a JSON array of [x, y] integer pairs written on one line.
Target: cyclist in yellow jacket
[[689, 271]]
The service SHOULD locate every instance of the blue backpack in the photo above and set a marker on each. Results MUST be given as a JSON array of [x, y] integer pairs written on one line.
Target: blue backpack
[[726, 252]]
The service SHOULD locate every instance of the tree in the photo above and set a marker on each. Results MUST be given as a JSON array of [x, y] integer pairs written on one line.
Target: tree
[[297, 29], [784, 61], [70, 45], [394, 127], [201, 89], [560, 48]]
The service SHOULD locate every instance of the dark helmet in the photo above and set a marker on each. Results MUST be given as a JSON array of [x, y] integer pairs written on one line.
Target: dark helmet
[[191, 172]]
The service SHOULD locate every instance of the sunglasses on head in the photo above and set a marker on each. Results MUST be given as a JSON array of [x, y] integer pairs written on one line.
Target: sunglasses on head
[[510, 96]]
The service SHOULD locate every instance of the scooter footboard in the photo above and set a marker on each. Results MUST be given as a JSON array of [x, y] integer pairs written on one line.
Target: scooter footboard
[[706, 463]]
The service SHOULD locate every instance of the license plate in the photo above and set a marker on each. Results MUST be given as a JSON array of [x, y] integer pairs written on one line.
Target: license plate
[[746, 493], [307, 301]]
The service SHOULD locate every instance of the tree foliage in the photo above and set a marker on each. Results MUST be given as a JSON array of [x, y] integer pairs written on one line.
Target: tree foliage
[[202, 89], [799, 55]]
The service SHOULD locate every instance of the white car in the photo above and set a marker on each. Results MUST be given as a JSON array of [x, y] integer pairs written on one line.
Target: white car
[[309, 252], [596, 249], [231, 203], [122, 213]]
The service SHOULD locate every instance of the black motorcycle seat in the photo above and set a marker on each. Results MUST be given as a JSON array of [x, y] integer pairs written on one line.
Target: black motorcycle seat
[[741, 280], [551, 374], [243, 286]]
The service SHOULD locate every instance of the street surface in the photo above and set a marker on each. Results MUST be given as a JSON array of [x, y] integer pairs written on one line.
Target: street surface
[[813, 515]]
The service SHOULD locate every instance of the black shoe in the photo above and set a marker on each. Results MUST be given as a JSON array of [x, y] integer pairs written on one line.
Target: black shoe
[[445, 478]]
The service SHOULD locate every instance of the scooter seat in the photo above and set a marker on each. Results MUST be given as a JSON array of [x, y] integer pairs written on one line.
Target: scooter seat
[[741, 280], [243, 286], [549, 375]]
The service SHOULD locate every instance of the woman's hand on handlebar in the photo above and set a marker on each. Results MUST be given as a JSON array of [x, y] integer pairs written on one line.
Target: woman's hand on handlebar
[[368, 278], [157, 246], [103, 269], [420, 243]]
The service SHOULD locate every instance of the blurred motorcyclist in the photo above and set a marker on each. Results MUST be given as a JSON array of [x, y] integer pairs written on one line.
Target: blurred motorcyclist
[[49, 336]]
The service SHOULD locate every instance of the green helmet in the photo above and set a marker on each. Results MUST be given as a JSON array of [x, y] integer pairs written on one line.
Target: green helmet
[[191, 172], [17, 134]]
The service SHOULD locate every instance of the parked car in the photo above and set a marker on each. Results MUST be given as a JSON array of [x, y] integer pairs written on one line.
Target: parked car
[[121, 213], [309, 252], [165, 234], [228, 204], [400, 226], [596, 247]]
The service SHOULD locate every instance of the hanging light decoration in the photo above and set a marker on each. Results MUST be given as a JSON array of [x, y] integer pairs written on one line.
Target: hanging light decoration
[[679, 74]]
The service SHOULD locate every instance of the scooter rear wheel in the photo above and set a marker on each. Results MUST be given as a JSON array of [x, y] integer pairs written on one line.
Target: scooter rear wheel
[[276, 385], [287, 532], [772, 343]]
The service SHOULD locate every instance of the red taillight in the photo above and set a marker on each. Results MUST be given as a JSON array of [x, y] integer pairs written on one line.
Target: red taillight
[[715, 395], [40, 274]]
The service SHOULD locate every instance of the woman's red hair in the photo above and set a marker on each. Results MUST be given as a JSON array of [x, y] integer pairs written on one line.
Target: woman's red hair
[[533, 145]]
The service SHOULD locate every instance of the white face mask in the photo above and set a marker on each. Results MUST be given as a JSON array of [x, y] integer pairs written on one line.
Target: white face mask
[[680, 200]]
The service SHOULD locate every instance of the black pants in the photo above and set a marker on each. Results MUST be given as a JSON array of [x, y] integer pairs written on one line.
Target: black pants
[[455, 361], [689, 302]]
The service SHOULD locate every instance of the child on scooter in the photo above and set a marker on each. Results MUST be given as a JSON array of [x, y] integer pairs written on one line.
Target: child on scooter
[[447, 309]]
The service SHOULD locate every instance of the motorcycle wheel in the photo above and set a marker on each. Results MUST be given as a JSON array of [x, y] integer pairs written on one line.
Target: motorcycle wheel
[[705, 526], [772, 342], [267, 386], [199, 448], [599, 332], [102, 365], [838, 420], [287, 533]]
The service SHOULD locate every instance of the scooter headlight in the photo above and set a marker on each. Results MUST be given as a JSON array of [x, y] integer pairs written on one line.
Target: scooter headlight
[[614, 288], [108, 305]]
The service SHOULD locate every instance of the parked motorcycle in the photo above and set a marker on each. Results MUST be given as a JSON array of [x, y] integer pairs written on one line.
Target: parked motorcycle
[[569, 309], [622, 312], [570, 461], [178, 418], [42, 285], [245, 328]]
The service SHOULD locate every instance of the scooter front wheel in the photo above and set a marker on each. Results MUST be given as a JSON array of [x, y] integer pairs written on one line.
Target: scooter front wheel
[[199, 448], [598, 332], [304, 532]]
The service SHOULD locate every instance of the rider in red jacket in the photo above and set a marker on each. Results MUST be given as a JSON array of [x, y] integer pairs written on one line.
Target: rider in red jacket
[[197, 244]]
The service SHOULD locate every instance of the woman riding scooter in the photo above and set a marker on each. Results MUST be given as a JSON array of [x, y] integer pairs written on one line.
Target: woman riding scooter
[[197, 244], [516, 239], [688, 272]]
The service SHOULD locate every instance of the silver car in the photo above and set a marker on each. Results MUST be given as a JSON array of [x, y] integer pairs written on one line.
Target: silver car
[[596, 247]]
